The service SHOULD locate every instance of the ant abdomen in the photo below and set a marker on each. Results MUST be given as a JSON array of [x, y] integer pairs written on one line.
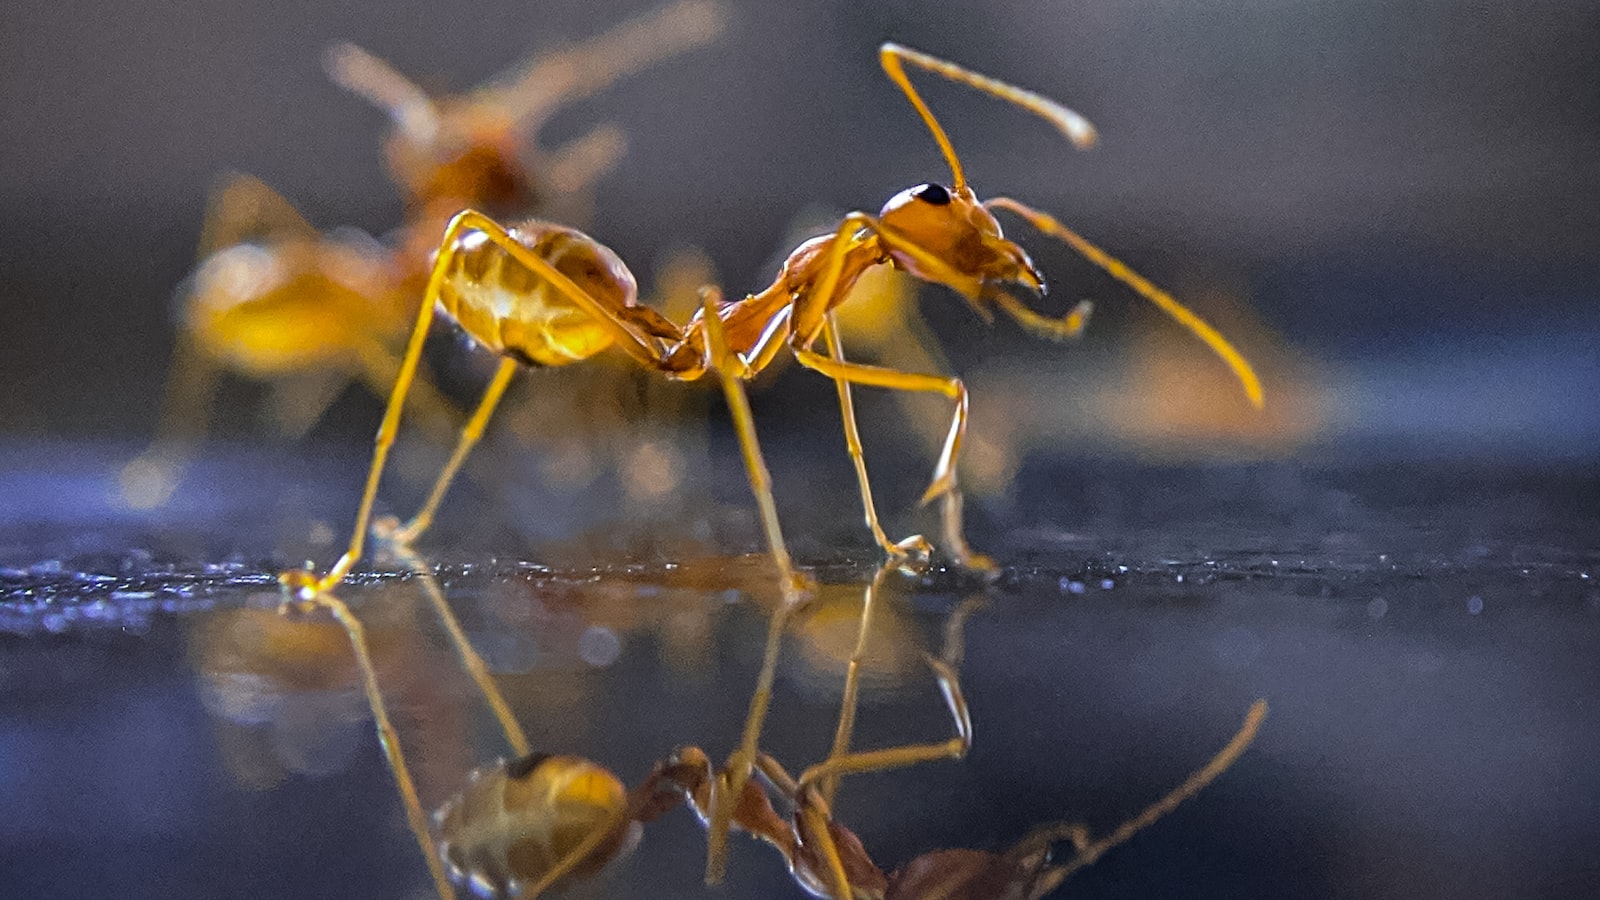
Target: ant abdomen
[[517, 312], [516, 821], [275, 309]]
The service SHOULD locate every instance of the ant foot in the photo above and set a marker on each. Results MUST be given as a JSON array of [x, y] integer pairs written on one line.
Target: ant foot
[[299, 586], [913, 552]]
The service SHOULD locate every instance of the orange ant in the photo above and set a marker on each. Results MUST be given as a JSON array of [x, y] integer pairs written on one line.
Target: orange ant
[[275, 300], [540, 294]]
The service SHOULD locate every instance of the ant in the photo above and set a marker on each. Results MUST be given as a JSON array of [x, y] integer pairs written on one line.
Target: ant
[[540, 294], [274, 300]]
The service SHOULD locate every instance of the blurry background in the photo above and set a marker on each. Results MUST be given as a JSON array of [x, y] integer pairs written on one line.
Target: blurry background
[[1392, 206]]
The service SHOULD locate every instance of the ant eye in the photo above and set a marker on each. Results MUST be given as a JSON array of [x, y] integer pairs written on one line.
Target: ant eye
[[932, 193]]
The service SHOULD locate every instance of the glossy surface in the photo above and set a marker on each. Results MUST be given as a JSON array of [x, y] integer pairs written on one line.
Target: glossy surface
[[1425, 636]]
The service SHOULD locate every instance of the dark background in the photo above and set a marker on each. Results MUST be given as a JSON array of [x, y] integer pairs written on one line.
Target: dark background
[[1405, 194]]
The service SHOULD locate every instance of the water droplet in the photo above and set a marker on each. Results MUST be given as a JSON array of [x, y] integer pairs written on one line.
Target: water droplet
[[1474, 604], [1377, 608]]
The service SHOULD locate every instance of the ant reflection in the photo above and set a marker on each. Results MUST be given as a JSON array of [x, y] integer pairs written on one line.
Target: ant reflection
[[543, 820]]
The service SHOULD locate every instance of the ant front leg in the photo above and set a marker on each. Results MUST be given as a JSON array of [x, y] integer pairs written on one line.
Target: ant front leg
[[916, 547], [303, 584], [811, 317], [944, 486]]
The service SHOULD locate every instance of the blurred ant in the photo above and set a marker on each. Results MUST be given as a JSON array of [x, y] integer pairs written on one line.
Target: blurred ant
[[540, 294], [276, 301], [478, 149]]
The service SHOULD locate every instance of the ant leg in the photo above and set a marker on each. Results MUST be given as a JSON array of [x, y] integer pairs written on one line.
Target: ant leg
[[471, 433], [1219, 345], [852, 682], [729, 369], [239, 208], [304, 583], [242, 208], [914, 547], [909, 754], [944, 485], [531, 92], [387, 735], [377, 82], [297, 403], [148, 480], [1087, 850], [470, 660], [582, 161]]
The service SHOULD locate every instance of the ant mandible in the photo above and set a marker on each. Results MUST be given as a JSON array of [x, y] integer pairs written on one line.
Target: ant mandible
[[540, 294]]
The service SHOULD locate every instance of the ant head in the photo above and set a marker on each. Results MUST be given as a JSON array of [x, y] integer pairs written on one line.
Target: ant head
[[944, 235], [517, 821], [468, 159]]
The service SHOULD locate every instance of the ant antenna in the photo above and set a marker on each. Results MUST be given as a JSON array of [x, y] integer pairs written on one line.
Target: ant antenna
[[374, 80], [1076, 128]]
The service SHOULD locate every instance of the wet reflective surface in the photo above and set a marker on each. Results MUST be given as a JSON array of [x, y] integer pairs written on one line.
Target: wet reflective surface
[[1425, 636]]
